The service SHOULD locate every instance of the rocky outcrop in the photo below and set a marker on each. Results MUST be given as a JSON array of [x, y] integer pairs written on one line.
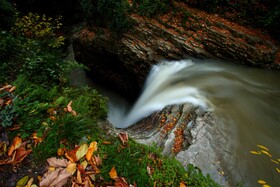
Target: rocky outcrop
[[192, 136], [124, 62]]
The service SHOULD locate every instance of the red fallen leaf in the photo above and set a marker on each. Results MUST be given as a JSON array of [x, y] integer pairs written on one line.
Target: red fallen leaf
[[20, 155], [71, 155], [81, 168], [123, 137], [16, 144], [121, 182]]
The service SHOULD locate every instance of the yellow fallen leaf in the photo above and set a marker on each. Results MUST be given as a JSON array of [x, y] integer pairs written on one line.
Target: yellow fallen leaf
[[71, 168], [276, 162], [256, 152], [29, 183], [278, 170], [84, 164], [22, 182], [81, 151], [182, 184], [266, 153], [266, 185], [261, 182], [51, 168], [79, 177], [91, 149], [263, 147], [113, 173]]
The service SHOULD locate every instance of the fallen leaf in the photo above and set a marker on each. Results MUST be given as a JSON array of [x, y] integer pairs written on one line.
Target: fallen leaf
[[121, 182], [71, 168], [20, 155], [113, 173], [36, 139], [276, 162], [79, 177], [22, 182], [263, 147], [84, 164], [97, 160], [71, 155], [81, 152], [123, 137], [261, 182], [106, 143], [74, 113], [182, 184], [16, 144], [57, 162], [266, 153], [278, 170], [56, 178], [92, 147], [12, 89], [29, 183], [69, 108], [61, 151], [256, 152]]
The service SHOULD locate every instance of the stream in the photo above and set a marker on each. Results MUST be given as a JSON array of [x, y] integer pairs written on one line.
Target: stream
[[246, 99]]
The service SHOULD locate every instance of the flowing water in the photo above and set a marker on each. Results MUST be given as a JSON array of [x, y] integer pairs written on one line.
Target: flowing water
[[247, 100]]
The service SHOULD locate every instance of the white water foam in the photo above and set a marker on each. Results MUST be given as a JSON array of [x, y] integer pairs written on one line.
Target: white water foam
[[163, 87]]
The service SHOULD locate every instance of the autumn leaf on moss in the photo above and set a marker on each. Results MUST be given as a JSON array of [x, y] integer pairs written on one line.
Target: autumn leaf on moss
[[113, 173], [16, 143], [92, 147], [81, 152], [123, 137]]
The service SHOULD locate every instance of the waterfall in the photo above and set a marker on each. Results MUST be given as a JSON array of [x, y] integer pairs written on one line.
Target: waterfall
[[164, 86]]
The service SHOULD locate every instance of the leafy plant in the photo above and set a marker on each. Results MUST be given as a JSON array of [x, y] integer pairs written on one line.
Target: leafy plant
[[116, 17], [41, 28], [151, 8]]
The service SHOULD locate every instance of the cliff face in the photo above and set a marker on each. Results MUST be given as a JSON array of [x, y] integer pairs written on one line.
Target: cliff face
[[125, 61]]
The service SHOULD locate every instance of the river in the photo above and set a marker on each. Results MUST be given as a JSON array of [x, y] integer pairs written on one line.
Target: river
[[246, 99]]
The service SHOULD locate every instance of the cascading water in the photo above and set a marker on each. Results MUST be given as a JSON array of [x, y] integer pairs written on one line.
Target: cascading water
[[163, 87], [246, 98]]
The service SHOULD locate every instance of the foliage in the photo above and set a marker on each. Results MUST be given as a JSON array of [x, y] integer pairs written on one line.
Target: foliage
[[146, 166], [7, 15], [39, 27], [151, 8], [110, 14], [41, 110]]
